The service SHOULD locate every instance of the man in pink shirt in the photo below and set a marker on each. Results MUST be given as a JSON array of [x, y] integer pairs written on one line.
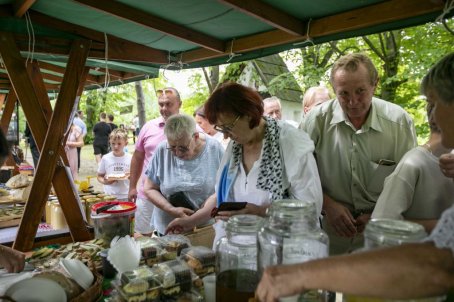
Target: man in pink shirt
[[151, 134]]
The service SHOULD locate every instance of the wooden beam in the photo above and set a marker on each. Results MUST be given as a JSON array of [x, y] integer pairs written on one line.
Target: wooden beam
[[269, 14], [389, 11], [119, 49], [25, 90], [49, 156], [61, 70], [2, 99], [8, 111], [149, 21], [20, 7]]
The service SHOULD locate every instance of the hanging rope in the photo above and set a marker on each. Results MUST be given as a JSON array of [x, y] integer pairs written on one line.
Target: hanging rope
[[232, 54], [449, 5], [106, 57], [308, 36], [176, 65], [31, 38]]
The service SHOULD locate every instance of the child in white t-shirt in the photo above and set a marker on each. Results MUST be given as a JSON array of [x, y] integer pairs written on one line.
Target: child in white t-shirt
[[113, 170]]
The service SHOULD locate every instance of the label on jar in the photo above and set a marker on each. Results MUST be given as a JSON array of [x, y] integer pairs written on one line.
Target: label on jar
[[297, 251]]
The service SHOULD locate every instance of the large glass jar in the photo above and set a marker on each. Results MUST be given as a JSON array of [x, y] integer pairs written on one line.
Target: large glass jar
[[389, 232], [236, 259], [290, 235]]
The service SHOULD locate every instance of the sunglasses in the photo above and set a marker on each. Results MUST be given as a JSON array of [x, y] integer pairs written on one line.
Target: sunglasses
[[181, 149], [227, 127], [166, 92]]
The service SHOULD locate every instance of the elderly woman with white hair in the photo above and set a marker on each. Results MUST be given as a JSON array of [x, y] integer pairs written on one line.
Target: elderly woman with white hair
[[182, 171]]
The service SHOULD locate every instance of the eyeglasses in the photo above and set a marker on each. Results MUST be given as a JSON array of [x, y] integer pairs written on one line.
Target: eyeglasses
[[227, 127], [166, 92], [181, 149]]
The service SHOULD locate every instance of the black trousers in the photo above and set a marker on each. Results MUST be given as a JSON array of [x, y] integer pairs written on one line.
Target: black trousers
[[78, 158]]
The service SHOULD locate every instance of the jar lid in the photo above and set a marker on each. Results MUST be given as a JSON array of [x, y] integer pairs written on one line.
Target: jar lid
[[391, 232], [244, 223]]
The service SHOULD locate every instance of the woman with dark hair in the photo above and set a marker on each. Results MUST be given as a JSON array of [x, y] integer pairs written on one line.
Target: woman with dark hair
[[266, 159], [13, 261]]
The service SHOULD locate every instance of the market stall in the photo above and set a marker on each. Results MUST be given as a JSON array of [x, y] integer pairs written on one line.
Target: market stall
[[72, 45]]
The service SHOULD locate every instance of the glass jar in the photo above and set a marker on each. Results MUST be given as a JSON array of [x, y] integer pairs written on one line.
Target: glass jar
[[236, 259], [290, 235], [58, 220], [389, 232]]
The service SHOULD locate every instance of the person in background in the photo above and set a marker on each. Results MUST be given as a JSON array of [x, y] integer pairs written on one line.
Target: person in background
[[417, 190], [408, 271], [33, 147], [358, 139], [200, 119], [135, 127], [110, 119], [114, 168], [78, 121], [182, 171], [101, 132], [315, 96], [13, 261], [272, 108], [267, 160], [151, 134], [75, 139]]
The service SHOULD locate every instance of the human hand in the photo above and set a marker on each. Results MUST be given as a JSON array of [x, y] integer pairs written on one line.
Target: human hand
[[13, 261], [340, 219], [278, 282], [108, 181], [361, 222], [250, 208], [132, 194], [178, 226], [446, 164], [181, 212]]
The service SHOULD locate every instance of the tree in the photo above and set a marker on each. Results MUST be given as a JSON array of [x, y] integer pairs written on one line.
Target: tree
[[140, 103]]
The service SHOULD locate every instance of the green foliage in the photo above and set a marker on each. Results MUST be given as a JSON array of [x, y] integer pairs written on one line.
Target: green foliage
[[198, 97]]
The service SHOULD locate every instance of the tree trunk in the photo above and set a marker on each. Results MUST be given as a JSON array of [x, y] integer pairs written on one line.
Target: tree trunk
[[388, 52], [140, 103], [214, 77]]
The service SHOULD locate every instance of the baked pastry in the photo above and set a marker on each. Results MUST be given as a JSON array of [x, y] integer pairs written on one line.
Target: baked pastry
[[200, 259], [18, 181], [117, 176]]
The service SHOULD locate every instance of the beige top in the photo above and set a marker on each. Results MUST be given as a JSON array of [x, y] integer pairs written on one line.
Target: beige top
[[353, 164]]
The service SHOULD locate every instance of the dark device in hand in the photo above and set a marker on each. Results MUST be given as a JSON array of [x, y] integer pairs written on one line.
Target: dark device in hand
[[179, 199], [228, 206]]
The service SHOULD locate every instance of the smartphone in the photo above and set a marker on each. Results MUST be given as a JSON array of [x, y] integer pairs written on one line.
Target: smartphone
[[228, 206]]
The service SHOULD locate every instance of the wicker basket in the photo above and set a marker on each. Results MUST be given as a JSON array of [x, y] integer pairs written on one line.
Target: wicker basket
[[94, 292]]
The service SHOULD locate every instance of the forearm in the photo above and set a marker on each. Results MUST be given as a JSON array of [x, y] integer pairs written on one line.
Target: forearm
[[156, 197], [203, 214], [408, 271], [100, 178]]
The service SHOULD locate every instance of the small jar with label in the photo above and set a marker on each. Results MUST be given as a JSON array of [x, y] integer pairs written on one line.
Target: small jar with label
[[290, 235], [236, 259]]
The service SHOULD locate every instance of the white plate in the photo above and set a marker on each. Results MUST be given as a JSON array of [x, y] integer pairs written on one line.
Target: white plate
[[36, 290], [78, 271]]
